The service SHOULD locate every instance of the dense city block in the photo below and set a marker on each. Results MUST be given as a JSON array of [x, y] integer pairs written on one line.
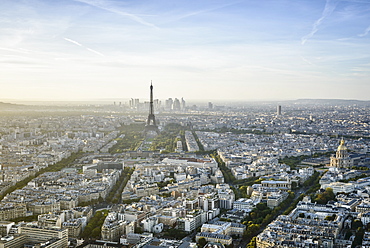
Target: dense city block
[[289, 174]]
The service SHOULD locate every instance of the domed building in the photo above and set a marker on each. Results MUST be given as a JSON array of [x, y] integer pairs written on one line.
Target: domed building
[[341, 159]]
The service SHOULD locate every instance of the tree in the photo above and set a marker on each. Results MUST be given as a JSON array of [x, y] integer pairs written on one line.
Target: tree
[[330, 217], [356, 224], [96, 232], [253, 215], [267, 219], [261, 206], [294, 185], [358, 237], [252, 230], [252, 243], [202, 242], [93, 228], [330, 193], [327, 195], [348, 235], [138, 229]]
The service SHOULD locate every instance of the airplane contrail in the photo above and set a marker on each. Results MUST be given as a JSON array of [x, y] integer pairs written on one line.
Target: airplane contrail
[[87, 48]]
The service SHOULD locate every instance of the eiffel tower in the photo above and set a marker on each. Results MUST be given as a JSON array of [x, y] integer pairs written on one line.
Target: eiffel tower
[[151, 125]]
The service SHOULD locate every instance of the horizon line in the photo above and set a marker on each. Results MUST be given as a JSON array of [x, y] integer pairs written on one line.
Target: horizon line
[[117, 100]]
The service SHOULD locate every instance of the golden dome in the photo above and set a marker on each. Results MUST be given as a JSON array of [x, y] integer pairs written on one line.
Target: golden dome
[[342, 147]]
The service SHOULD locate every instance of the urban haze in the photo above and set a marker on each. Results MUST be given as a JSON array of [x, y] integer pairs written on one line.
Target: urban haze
[[209, 124]]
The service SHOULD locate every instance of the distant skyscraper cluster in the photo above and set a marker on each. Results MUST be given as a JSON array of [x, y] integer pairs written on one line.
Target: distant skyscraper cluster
[[169, 105], [134, 103], [175, 105]]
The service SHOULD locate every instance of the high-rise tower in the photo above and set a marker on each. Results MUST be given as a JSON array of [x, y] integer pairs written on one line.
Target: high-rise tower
[[151, 125], [278, 110]]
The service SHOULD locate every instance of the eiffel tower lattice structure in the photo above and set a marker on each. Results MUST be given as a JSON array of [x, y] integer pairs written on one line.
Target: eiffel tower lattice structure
[[151, 124]]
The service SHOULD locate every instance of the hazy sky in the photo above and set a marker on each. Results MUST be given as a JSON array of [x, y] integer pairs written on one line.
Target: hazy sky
[[203, 49]]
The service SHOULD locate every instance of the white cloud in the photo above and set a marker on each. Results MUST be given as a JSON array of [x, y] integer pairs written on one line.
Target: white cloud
[[366, 32]]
